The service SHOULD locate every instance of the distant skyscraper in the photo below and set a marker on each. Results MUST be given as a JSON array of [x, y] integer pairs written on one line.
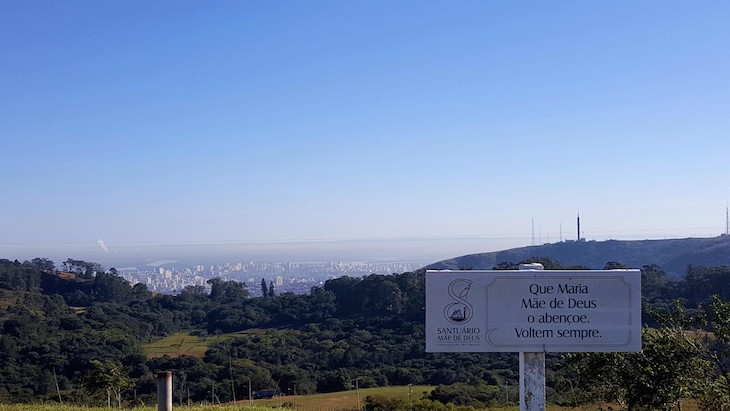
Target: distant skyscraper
[[578, 225], [279, 281]]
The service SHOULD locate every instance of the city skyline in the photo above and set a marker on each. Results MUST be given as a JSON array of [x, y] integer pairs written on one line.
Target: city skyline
[[357, 131], [171, 277]]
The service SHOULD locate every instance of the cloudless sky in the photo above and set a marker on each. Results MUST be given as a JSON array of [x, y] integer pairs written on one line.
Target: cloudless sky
[[312, 122]]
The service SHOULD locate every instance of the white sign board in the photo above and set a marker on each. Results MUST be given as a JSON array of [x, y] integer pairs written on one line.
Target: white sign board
[[533, 311]]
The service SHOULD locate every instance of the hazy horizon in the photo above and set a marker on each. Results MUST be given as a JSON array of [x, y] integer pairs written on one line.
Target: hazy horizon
[[420, 250]]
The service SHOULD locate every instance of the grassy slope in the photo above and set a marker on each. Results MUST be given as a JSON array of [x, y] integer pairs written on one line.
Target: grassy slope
[[347, 400], [338, 401], [183, 343], [8, 298], [245, 407], [57, 407], [344, 399]]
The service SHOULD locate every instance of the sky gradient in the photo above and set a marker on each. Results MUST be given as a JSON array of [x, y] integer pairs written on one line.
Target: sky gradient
[[434, 129]]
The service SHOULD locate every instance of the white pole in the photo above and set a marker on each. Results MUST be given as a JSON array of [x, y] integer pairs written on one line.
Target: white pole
[[230, 368], [164, 391], [357, 388], [532, 371], [532, 381], [55, 379]]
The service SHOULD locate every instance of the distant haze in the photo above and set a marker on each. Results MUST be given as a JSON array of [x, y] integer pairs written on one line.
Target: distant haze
[[401, 250], [425, 251]]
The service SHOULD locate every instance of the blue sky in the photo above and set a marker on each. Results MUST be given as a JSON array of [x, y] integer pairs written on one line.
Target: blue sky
[[405, 123]]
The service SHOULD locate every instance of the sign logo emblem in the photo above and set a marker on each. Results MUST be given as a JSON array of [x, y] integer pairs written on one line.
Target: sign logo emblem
[[460, 311]]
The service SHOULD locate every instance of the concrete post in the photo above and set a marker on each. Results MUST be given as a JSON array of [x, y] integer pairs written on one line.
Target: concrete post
[[357, 388], [532, 381], [532, 370], [164, 391]]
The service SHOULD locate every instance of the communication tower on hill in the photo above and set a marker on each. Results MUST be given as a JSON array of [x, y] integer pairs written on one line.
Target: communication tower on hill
[[533, 232]]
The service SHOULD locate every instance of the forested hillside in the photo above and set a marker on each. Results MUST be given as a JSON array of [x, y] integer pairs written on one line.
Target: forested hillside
[[61, 327], [369, 327]]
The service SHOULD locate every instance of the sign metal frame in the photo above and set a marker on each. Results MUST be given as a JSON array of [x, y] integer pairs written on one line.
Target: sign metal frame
[[533, 311]]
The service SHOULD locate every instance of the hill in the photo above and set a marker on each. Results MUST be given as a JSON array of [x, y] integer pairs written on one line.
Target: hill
[[672, 255]]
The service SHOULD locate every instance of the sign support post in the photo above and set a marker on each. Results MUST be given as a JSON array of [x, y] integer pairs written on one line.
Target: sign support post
[[532, 370], [532, 381]]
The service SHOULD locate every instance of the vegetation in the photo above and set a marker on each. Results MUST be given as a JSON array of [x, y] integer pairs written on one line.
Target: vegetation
[[57, 407], [55, 325], [192, 344], [61, 330], [347, 400]]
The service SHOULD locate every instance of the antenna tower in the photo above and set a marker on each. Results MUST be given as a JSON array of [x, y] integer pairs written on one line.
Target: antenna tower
[[561, 232], [533, 231], [578, 225]]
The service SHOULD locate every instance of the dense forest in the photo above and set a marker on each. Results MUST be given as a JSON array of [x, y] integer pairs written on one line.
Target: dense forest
[[74, 334]]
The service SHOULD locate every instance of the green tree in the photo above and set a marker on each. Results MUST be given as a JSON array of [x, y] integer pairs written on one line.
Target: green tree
[[194, 293], [614, 265], [226, 292], [83, 269], [679, 359], [107, 377], [654, 283], [43, 264], [665, 371]]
